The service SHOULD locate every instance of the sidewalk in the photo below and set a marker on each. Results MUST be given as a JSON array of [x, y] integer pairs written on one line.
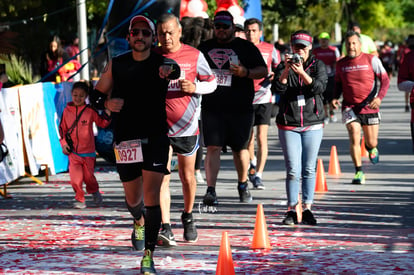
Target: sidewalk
[[362, 229]]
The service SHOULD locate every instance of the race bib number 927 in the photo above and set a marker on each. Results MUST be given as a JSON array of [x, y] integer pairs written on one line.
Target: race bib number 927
[[129, 151]]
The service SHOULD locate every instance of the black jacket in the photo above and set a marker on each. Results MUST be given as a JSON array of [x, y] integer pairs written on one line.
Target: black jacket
[[290, 113]]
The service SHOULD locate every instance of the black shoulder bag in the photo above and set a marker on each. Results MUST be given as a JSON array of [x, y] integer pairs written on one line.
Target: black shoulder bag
[[68, 138]]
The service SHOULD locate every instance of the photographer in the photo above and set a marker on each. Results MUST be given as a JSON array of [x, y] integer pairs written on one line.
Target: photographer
[[300, 82]]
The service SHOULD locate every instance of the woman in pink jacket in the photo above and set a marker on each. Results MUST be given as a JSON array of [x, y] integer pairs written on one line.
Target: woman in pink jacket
[[78, 141]]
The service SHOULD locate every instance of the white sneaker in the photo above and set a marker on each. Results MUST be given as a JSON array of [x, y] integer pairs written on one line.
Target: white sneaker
[[79, 205], [199, 177]]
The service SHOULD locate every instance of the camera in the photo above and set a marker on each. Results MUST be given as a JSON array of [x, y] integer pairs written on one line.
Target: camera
[[295, 58]]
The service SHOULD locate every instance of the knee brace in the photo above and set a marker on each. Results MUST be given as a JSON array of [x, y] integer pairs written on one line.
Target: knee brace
[[137, 211]]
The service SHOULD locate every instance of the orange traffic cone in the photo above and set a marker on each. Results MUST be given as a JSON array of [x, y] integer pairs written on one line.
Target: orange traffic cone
[[334, 168], [320, 178], [225, 261], [364, 152], [260, 236]]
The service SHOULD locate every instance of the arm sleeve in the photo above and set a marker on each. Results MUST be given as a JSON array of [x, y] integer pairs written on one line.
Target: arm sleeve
[[206, 82], [382, 75]]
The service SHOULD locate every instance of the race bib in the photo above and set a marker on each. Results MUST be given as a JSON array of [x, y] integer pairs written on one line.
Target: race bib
[[223, 77], [348, 115], [301, 100], [129, 151]]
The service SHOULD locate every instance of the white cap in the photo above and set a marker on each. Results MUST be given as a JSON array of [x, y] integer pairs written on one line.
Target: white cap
[[141, 18]]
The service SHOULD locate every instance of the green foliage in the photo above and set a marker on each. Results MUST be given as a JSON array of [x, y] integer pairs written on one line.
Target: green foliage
[[382, 19], [17, 69], [315, 16], [212, 6]]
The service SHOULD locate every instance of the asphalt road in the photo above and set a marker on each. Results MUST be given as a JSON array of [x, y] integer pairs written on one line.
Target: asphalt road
[[362, 229]]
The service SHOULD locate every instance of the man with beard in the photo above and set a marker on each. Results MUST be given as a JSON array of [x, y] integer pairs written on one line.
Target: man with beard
[[227, 114], [137, 83], [355, 79]]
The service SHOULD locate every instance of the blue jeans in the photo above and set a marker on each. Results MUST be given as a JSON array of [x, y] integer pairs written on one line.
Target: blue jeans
[[300, 150]]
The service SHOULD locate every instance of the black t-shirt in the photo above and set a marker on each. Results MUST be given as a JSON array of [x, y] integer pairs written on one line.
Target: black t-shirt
[[235, 96], [138, 83]]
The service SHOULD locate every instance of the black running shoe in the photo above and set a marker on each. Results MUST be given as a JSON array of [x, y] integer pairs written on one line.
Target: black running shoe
[[210, 198], [308, 218], [190, 230], [166, 238], [291, 218], [244, 193], [138, 237]]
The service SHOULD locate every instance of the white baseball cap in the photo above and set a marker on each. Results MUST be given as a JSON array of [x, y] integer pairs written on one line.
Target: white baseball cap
[[141, 18]]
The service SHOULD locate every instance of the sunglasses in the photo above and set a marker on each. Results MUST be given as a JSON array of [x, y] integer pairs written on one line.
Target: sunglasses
[[145, 32], [221, 26]]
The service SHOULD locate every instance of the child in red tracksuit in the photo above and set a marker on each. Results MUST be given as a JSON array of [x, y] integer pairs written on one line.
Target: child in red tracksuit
[[76, 128]]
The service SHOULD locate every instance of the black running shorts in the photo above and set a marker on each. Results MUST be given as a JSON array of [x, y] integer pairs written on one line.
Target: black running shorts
[[185, 146], [232, 129], [155, 154], [262, 113], [368, 119]]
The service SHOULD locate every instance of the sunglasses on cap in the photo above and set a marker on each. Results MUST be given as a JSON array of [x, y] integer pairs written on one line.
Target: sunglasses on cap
[[221, 26], [145, 32]]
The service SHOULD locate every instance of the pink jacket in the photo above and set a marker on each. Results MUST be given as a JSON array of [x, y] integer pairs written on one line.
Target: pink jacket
[[82, 134]]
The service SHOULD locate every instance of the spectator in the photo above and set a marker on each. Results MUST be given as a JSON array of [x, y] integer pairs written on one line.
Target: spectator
[[73, 48], [300, 81], [52, 59], [78, 141]]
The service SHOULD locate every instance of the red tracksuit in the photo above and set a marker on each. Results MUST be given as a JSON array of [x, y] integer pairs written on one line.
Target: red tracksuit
[[83, 158]]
